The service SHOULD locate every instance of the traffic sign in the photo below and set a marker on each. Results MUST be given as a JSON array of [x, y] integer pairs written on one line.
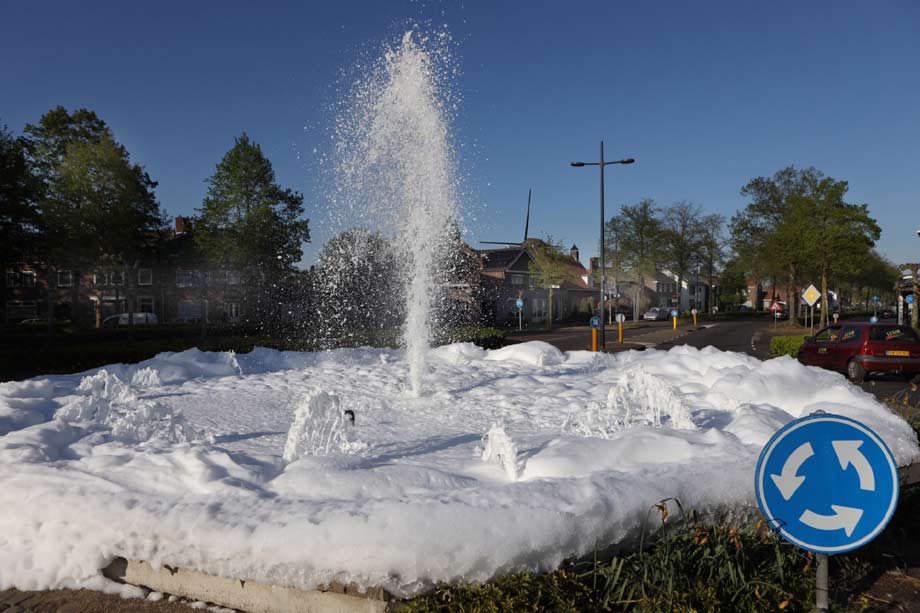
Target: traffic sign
[[876, 299], [873, 320], [693, 311], [909, 299], [811, 295], [673, 312], [620, 318], [826, 483], [595, 322], [776, 307], [519, 304]]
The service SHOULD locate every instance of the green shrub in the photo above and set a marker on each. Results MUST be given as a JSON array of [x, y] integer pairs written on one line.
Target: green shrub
[[786, 345]]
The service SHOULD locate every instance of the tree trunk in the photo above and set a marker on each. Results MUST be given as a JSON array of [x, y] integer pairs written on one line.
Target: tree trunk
[[74, 297], [131, 300], [792, 302], [52, 300], [825, 308], [549, 311]]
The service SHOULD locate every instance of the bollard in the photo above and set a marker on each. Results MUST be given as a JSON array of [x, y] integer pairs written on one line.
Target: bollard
[[594, 339], [620, 332], [694, 320], [675, 323]]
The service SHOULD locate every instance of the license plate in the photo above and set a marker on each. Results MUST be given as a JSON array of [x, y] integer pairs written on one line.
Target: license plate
[[899, 354]]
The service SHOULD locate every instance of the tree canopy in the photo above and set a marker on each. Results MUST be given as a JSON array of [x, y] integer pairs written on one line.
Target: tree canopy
[[248, 221]]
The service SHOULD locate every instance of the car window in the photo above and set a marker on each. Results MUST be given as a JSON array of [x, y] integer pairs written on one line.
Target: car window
[[850, 335], [893, 333], [828, 334]]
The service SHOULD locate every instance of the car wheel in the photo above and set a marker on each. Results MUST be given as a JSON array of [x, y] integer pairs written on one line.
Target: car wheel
[[855, 372]]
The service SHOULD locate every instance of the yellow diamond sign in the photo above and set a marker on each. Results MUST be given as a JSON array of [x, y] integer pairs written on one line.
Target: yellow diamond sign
[[811, 295]]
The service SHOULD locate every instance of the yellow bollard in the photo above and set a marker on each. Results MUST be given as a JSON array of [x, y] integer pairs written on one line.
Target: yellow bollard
[[620, 335], [694, 320], [675, 323], [594, 339]]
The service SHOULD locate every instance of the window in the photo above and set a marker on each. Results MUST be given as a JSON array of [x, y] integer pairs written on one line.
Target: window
[[828, 334], [145, 304], [21, 309], [12, 278], [189, 310], [27, 278], [144, 277], [538, 308], [186, 278], [518, 280], [232, 311], [101, 279], [64, 278], [233, 277], [118, 277]]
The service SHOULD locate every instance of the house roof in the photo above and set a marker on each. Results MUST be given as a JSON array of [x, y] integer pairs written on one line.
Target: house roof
[[500, 259]]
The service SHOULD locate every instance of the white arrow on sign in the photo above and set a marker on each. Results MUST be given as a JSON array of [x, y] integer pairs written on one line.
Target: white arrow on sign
[[844, 518], [848, 453], [788, 481]]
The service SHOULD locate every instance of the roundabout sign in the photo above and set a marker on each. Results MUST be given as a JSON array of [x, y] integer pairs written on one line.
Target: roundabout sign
[[827, 483]]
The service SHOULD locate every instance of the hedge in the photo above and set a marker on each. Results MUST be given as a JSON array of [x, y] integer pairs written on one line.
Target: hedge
[[786, 345]]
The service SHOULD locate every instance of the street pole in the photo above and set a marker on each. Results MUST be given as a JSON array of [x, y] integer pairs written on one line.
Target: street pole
[[602, 340], [603, 260]]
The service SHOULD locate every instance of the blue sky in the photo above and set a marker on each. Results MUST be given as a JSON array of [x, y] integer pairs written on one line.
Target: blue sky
[[705, 95]]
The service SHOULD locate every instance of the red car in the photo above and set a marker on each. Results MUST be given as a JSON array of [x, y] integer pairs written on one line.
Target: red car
[[858, 349]]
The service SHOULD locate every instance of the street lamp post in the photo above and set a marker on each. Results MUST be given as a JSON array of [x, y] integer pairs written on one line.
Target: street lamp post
[[602, 164]]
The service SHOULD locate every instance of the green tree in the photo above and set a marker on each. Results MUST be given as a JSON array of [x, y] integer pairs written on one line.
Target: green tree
[[18, 211], [641, 244], [765, 236], [247, 221], [549, 268], [61, 244], [247, 218], [838, 236], [711, 250], [682, 237], [733, 283], [108, 206]]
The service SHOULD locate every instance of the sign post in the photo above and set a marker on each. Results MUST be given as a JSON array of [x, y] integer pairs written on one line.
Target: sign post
[[828, 484], [595, 325], [674, 317], [693, 312], [811, 296], [519, 304]]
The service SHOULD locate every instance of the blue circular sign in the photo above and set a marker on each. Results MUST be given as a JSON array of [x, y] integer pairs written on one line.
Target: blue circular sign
[[595, 322], [673, 312], [873, 320], [827, 483], [909, 299], [519, 304], [876, 299]]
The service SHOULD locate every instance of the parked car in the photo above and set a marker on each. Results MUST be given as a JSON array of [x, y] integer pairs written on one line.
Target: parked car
[[121, 319], [859, 349], [657, 313]]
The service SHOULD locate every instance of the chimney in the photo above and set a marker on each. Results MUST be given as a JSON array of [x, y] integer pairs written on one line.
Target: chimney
[[574, 252], [181, 225]]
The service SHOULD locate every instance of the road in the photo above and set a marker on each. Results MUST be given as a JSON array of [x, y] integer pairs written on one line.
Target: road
[[745, 336]]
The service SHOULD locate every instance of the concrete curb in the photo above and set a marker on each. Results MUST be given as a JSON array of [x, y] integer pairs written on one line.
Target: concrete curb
[[248, 596]]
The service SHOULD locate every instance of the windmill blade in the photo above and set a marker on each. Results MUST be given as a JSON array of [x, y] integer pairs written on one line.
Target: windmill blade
[[527, 220]]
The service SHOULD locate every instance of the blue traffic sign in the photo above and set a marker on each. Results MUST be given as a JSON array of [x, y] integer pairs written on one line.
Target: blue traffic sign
[[909, 299], [519, 304], [827, 483], [873, 320], [595, 322], [876, 299], [673, 312]]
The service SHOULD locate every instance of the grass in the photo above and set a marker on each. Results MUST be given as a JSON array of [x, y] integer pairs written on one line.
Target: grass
[[689, 565]]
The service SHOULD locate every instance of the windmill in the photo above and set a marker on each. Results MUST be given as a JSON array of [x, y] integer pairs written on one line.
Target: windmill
[[526, 229]]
